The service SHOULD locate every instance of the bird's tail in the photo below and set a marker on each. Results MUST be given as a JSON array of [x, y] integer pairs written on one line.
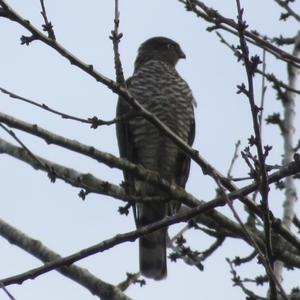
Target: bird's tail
[[153, 261]]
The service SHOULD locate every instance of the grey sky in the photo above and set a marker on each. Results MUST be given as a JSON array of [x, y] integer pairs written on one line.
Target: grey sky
[[53, 213]]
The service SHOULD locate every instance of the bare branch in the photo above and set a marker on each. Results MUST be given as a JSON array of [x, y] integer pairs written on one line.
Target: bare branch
[[82, 276], [94, 121], [269, 76], [289, 10], [48, 27], [131, 236], [238, 282], [116, 38], [131, 279], [85, 181], [234, 158], [263, 92], [288, 140], [220, 22], [13, 135], [239, 261]]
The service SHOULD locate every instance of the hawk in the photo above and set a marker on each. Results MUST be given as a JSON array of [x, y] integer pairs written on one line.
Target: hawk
[[156, 85]]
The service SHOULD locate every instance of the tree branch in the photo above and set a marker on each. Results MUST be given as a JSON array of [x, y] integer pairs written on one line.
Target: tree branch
[[85, 181], [250, 66], [94, 121], [289, 10], [277, 84], [116, 38], [213, 16], [82, 276], [288, 135]]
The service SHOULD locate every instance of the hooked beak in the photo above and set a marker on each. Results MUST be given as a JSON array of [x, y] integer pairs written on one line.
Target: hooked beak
[[181, 54]]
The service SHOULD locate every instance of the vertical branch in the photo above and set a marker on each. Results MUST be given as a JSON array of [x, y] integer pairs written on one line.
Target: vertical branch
[[288, 134], [48, 27], [289, 130], [263, 90], [251, 66], [116, 38], [234, 158]]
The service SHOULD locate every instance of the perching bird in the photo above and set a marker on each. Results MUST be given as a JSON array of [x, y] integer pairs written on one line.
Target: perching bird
[[156, 84]]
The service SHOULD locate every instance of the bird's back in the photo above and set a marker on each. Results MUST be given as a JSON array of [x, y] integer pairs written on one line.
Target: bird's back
[[161, 90]]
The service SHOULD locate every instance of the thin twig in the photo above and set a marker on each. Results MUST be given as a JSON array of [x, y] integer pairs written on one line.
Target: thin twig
[[239, 261], [26, 149], [213, 247], [234, 158], [237, 281], [263, 92], [116, 38], [289, 10], [48, 27], [131, 279], [94, 121]]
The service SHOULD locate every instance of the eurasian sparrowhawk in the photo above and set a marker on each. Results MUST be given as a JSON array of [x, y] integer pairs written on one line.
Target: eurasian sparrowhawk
[[156, 84]]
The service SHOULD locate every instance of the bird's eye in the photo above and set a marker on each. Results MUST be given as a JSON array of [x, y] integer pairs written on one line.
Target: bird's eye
[[170, 46]]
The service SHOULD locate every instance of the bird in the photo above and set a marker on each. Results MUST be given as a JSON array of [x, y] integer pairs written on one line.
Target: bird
[[158, 87]]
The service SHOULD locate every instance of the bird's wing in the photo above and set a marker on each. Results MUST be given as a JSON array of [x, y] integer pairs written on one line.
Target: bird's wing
[[125, 142], [184, 162], [123, 133]]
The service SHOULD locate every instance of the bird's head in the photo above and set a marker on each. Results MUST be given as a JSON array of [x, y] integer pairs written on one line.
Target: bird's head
[[159, 48]]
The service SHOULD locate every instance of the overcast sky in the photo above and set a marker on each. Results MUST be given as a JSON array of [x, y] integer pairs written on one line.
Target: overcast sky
[[53, 213]]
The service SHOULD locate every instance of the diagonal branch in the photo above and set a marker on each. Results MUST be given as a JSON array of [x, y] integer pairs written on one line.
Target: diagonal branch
[[82, 276], [131, 236], [289, 10], [85, 181], [213, 16], [140, 172], [94, 121]]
